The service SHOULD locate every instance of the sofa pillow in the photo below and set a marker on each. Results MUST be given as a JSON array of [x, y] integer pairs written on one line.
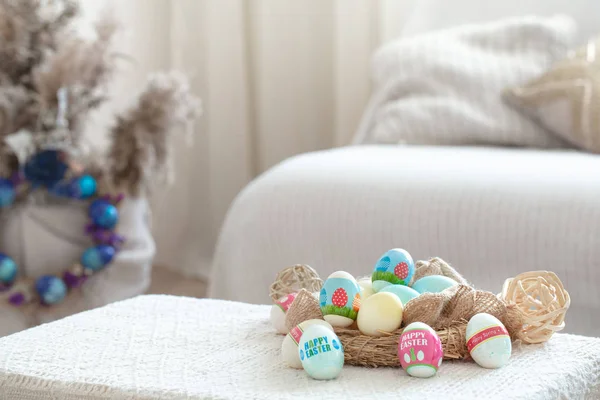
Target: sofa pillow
[[566, 99], [445, 87]]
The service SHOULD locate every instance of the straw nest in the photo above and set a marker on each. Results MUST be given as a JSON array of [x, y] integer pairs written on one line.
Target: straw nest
[[532, 307]]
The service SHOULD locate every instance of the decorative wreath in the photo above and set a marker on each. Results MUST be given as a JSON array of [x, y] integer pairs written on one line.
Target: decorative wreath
[[51, 79]]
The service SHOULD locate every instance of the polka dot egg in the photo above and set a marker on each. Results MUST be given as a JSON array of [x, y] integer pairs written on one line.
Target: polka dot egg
[[340, 299], [395, 267]]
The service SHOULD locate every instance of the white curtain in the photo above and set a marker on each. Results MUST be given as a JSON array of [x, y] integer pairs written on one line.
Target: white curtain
[[277, 78]]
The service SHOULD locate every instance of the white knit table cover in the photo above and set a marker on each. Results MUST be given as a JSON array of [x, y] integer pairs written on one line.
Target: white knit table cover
[[162, 347]]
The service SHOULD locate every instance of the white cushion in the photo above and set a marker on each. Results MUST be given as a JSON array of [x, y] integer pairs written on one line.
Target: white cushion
[[47, 239], [428, 15], [492, 213], [161, 347], [444, 88]]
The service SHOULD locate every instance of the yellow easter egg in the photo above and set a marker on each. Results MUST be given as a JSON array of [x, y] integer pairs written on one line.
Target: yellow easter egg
[[381, 312]]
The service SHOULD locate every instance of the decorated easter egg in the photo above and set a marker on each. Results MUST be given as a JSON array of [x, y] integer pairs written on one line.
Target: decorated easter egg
[[488, 341], [382, 312], [404, 293], [395, 267], [420, 350], [321, 352], [366, 287], [340, 299], [278, 311], [433, 284], [289, 347]]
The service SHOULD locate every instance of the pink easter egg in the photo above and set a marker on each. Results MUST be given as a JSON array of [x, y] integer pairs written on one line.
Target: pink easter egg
[[420, 350]]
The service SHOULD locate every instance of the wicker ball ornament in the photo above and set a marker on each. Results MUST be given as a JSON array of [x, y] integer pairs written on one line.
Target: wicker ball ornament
[[293, 279], [542, 299]]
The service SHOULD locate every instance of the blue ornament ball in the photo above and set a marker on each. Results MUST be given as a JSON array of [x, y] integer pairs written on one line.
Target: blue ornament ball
[[7, 192], [97, 257], [8, 270], [51, 289], [45, 168], [104, 214], [86, 187]]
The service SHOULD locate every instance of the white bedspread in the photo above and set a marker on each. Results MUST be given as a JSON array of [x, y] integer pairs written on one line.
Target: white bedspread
[[490, 212], [161, 347]]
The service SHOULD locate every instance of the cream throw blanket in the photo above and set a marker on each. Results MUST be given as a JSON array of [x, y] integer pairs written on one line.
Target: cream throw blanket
[[445, 88]]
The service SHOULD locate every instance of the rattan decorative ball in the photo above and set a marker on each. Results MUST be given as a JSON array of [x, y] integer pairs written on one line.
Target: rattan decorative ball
[[542, 299], [293, 279]]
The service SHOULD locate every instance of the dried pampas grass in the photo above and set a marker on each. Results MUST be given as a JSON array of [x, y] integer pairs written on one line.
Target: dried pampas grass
[[84, 68], [29, 29], [51, 77], [140, 147]]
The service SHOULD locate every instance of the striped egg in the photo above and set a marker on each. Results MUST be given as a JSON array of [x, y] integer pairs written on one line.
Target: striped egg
[[488, 341]]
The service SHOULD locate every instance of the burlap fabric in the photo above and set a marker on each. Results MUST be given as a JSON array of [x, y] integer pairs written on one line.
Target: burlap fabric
[[437, 266], [304, 306]]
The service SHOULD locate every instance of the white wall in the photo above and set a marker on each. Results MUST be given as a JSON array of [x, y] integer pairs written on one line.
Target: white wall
[[277, 78]]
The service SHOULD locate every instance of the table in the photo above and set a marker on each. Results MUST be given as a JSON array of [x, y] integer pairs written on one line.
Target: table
[[164, 347]]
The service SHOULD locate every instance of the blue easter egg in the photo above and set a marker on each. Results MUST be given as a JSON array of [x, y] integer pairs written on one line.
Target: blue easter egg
[[321, 352], [433, 284], [395, 267], [404, 293], [104, 214], [51, 289], [8, 270], [7, 192], [97, 257], [340, 299]]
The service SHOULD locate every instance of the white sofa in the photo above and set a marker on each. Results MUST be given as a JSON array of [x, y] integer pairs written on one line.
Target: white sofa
[[491, 212]]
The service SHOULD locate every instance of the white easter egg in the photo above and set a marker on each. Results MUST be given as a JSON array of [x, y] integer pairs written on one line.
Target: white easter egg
[[340, 299], [278, 311], [366, 286], [289, 347], [321, 353], [488, 341], [380, 312]]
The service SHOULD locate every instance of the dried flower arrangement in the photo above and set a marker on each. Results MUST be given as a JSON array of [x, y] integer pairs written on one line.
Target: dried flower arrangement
[[51, 78]]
